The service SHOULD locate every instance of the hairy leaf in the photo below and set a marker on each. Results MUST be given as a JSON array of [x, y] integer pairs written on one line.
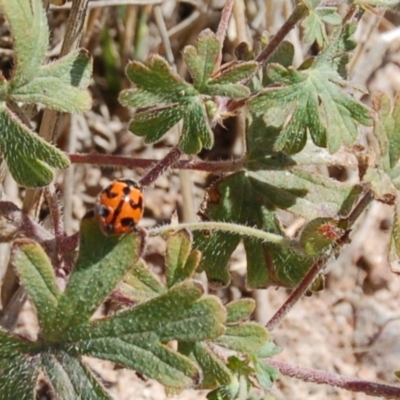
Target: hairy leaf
[[59, 85], [311, 101], [247, 337], [133, 338], [239, 310], [37, 276], [102, 263], [214, 372], [140, 284], [70, 379], [252, 198], [28, 157], [29, 29], [181, 261]]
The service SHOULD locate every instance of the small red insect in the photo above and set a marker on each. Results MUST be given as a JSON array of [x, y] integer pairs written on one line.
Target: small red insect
[[119, 207]]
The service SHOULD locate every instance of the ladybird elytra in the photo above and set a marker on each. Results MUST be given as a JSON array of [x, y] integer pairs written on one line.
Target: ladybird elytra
[[119, 206]]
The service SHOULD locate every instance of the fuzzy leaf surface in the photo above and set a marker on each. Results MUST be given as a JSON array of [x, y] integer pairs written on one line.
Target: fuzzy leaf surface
[[37, 276], [164, 98], [248, 337], [70, 379], [133, 338], [181, 261], [140, 284], [252, 198], [30, 31], [314, 24], [28, 156], [239, 310], [101, 264], [59, 85], [311, 101], [214, 371]]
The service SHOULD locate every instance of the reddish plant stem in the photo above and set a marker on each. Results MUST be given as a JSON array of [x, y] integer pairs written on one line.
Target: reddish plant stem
[[296, 295], [224, 21], [128, 162], [160, 168], [298, 13], [335, 380], [308, 279]]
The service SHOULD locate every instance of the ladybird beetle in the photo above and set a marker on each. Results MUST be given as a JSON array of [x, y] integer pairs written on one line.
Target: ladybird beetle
[[119, 207]]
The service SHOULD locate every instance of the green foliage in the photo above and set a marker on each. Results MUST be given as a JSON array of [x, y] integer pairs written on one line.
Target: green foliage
[[59, 85], [314, 23], [290, 112], [28, 157], [311, 100], [164, 98], [252, 198], [135, 337], [385, 177]]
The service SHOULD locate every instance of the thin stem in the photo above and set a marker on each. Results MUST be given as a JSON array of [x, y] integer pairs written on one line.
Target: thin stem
[[128, 162], [296, 295], [298, 13], [224, 21], [229, 227], [161, 167], [359, 208], [335, 380], [58, 225]]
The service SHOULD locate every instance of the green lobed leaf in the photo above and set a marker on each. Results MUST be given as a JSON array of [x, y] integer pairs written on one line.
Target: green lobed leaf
[[154, 123], [181, 261], [232, 90], [228, 392], [314, 24], [252, 198], [155, 80], [70, 379], [37, 276], [179, 314], [240, 310], [248, 337], [28, 156], [11, 346], [30, 32], [386, 129], [145, 356], [236, 73], [132, 338], [140, 284], [266, 374], [59, 85], [101, 264], [270, 349], [214, 372], [202, 58], [311, 101], [18, 376], [196, 132], [216, 249]]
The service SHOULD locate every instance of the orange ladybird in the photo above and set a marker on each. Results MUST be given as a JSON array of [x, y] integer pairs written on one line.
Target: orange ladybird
[[119, 207]]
